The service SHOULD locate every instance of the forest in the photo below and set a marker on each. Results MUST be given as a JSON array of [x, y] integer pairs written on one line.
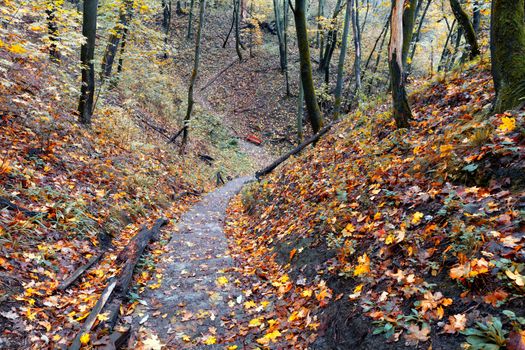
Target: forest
[[262, 174]]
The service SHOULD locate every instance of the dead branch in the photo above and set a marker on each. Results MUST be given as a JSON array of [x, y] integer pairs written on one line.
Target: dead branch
[[5, 203]]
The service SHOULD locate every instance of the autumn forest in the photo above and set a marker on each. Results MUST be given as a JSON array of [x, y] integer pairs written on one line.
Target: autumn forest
[[262, 174]]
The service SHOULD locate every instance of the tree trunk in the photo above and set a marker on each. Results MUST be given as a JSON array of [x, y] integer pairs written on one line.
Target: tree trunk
[[231, 27], [464, 22], [52, 29], [166, 23], [401, 110], [416, 39], [280, 34], [194, 74], [300, 112], [285, 39], [237, 29], [446, 51], [331, 42], [507, 50], [87, 50], [342, 55], [314, 114], [190, 21], [476, 16], [320, 32], [110, 53], [408, 29], [122, 49], [357, 47]]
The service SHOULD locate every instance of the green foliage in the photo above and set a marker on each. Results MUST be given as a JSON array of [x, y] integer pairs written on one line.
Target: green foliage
[[486, 336]]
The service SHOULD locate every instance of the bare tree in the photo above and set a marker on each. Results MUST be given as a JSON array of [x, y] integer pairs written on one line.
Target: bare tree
[[87, 50]]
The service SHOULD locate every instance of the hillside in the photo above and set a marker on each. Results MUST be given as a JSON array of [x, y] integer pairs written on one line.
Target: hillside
[[390, 238]]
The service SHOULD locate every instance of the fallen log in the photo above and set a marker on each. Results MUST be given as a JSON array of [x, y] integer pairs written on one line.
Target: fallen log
[[296, 150], [6, 203], [174, 137], [212, 80], [117, 289], [129, 257]]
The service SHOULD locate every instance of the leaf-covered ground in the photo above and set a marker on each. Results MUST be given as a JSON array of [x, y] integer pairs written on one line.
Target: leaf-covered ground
[[378, 238], [90, 188]]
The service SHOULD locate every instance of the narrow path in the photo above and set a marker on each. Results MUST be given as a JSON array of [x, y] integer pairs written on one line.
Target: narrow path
[[198, 301]]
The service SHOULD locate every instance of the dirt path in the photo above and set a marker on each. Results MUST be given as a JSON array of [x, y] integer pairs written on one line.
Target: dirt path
[[198, 301]]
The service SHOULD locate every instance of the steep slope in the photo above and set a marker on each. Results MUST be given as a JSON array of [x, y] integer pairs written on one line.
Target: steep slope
[[393, 237]]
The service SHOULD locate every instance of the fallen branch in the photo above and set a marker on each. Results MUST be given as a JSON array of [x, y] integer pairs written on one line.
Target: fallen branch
[[174, 137], [117, 289], [78, 272], [212, 80], [5, 203], [278, 161]]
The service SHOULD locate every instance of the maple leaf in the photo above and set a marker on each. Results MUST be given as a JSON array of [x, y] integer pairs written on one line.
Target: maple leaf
[[84, 338], [364, 265], [416, 334], [507, 124], [210, 340], [495, 297], [152, 342], [456, 323]]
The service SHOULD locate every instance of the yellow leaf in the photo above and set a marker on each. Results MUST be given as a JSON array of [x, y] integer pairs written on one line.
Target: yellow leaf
[[364, 265], [256, 322], [417, 218], [249, 304], [232, 347], [507, 124], [222, 280], [103, 317], [84, 339], [210, 340], [17, 48]]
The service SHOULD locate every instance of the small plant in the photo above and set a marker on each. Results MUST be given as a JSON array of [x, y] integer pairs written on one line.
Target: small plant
[[486, 336]]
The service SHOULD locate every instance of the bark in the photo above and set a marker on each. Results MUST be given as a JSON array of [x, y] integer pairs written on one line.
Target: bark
[[87, 50], [357, 47], [418, 35], [166, 23], [409, 15], [194, 75], [401, 109], [237, 29], [314, 114], [280, 35], [331, 42], [110, 53], [190, 21], [342, 55], [320, 32], [52, 28], [232, 25], [446, 52], [507, 36], [468, 30], [122, 50], [285, 39], [300, 112], [476, 16]]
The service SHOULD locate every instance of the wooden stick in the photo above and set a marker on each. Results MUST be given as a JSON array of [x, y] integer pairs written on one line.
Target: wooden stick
[[106, 294], [212, 80], [278, 161], [5, 203], [78, 272]]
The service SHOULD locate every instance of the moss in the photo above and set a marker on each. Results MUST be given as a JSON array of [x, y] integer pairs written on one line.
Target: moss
[[508, 53]]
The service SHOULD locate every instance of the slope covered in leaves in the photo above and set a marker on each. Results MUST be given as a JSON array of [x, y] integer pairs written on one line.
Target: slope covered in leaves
[[380, 237], [67, 192]]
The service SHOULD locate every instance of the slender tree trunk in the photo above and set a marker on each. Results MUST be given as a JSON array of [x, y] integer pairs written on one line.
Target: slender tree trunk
[[409, 15], [110, 53], [357, 48], [280, 35], [468, 30], [87, 50], [331, 42], [232, 25], [342, 55], [237, 29], [314, 114], [285, 39], [320, 31], [52, 29], [122, 50], [190, 21], [378, 57], [194, 75], [476, 16], [446, 51], [166, 23], [401, 109], [362, 26], [300, 113], [507, 51], [418, 34]]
